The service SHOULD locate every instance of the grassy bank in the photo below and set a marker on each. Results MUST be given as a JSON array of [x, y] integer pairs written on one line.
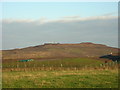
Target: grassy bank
[[64, 62], [60, 73], [61, 79]]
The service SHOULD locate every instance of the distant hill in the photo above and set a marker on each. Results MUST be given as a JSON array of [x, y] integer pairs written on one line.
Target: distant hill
[[57, 50]]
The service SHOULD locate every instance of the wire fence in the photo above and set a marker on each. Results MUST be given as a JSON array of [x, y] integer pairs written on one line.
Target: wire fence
[[25, 67]]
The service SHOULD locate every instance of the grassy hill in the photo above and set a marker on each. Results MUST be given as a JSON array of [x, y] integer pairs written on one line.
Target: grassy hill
[[59, 50], [60, 66]]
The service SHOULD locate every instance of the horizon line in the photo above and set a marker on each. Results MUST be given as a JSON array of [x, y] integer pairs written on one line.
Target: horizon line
[[55, 43]]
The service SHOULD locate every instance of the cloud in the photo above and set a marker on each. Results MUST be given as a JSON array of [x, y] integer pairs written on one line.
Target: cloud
[[111, 14], [71, 17], [70, 29], [63, 19], [18, 20]]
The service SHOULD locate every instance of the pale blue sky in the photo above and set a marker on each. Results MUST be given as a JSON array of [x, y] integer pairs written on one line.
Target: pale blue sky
[[66, 22], [53, 10]]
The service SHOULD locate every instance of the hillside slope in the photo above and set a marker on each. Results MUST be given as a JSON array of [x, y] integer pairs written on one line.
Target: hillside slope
[[59, 51]]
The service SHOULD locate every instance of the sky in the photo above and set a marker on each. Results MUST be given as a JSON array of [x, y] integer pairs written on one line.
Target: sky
[[27, 24]]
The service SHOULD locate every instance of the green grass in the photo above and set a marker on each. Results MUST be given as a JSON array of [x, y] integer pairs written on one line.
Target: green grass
[[61, 79], [66, 62], [74, 73]]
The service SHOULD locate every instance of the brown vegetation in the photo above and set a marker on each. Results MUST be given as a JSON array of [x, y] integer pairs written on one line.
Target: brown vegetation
[[59, 50]]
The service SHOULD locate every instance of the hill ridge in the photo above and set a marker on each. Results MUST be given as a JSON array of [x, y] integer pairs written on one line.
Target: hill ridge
[[57, 50]]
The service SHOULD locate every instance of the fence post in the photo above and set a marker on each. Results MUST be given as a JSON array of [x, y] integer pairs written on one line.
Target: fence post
[[17, 65]]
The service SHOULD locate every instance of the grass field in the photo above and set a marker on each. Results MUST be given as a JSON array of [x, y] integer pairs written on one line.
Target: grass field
[[61, 79], [60, 73], [64, 62]]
